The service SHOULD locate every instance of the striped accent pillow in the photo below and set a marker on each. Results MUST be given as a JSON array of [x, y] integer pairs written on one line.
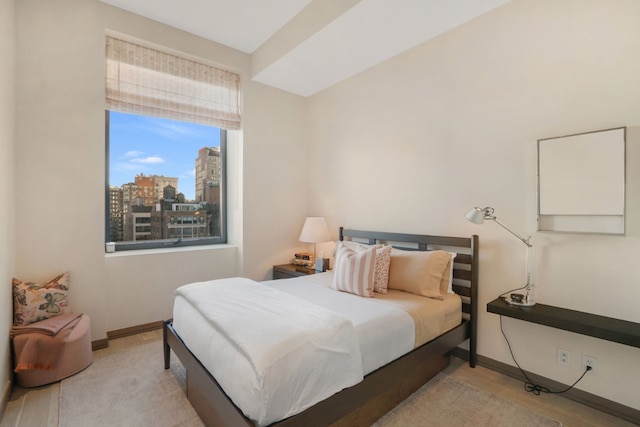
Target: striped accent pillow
[[354, 272], [383, 259]]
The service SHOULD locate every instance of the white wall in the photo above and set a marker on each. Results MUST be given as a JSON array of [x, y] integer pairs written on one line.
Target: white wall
[[412, 144], [60, 168], [7, 142], [275, 180], [407, 146]]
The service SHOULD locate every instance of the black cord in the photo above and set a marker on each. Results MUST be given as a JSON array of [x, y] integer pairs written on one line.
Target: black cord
[[529, 385], [508, 292]]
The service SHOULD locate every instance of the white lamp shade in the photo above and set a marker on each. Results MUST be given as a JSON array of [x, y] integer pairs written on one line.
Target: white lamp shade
[[475, 215], [314, 230]]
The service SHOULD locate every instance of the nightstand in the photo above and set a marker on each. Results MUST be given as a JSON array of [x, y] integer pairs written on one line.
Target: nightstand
[[287, 271]]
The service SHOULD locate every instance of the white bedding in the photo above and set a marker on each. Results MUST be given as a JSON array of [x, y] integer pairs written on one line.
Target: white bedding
[[374, 322], [274, 354], [382, 331]]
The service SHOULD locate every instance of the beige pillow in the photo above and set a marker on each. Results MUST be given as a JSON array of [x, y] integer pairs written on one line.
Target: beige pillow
[[353, 271], [419, 272], [383, 259]]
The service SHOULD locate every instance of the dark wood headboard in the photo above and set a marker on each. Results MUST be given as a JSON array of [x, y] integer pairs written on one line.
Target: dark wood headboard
[[465, 268]]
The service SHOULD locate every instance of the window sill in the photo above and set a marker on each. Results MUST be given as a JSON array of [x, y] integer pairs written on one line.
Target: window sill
[[158, 251]]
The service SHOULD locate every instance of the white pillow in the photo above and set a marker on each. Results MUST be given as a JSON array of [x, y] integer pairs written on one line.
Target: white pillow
[[447, 284]]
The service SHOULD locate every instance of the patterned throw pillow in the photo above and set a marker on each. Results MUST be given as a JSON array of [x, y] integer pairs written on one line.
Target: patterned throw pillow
[[354, 271], [33, 302], [383, 260]]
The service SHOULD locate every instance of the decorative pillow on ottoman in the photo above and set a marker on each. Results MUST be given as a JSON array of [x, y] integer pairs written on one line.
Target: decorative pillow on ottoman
[[33, 302]]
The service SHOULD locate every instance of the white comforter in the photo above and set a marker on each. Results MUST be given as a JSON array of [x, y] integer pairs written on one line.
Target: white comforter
[[384, 332], [286, 354]]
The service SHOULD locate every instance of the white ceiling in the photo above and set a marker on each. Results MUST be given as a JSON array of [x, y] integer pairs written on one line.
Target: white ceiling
[[364, 35]]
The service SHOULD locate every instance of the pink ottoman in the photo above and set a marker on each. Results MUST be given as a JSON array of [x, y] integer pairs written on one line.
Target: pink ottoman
[[74, 354]]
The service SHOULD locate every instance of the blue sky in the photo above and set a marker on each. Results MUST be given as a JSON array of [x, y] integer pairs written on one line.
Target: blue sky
[[153, 146]]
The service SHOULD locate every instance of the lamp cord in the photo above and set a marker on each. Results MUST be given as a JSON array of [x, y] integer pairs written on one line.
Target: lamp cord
[[529, 385]]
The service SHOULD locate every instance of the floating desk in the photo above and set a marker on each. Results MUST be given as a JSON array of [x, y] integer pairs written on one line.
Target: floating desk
[[606, 328]]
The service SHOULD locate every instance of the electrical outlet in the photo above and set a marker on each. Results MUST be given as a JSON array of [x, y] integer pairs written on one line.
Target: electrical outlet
[[564, 357], [589, 361]]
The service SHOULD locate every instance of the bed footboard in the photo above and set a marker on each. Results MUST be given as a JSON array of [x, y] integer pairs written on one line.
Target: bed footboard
[[203, 391], [360, 405]]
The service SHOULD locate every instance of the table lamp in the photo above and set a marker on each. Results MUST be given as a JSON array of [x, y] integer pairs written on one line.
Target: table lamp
[[314, 231], [478, 216]]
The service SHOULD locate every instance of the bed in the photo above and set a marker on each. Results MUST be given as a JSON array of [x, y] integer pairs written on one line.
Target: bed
[[381, 388]]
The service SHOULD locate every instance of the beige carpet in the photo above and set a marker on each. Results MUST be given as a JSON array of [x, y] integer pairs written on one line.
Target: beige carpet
[[128, 386], [446, 401]]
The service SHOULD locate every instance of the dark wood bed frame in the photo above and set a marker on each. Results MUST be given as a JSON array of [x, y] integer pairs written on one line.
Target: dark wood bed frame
[[381, 390]]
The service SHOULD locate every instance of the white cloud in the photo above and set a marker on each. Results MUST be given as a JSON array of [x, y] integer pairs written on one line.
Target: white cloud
[[172, 130], [149, 160], [133, 153]]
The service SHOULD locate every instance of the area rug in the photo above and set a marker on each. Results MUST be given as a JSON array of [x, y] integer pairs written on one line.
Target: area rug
[[123, 388], [445, 401], [128, 386]]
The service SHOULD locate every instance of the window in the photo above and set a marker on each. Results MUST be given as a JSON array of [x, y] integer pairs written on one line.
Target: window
[[160, 183], [166, 124]]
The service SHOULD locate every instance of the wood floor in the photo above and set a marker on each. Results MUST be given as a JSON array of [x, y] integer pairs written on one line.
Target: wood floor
[[38, 407]]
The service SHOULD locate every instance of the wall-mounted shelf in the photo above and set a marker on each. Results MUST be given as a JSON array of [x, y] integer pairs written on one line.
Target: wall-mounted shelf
[[606, 328]]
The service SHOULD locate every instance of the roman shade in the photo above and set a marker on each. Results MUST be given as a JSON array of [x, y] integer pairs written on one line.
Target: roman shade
[[145, 81]]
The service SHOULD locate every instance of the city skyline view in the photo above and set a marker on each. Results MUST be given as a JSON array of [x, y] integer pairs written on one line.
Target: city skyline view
[[155, 146]]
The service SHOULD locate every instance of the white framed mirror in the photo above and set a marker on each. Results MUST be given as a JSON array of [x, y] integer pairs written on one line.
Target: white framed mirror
[[581, 182]]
